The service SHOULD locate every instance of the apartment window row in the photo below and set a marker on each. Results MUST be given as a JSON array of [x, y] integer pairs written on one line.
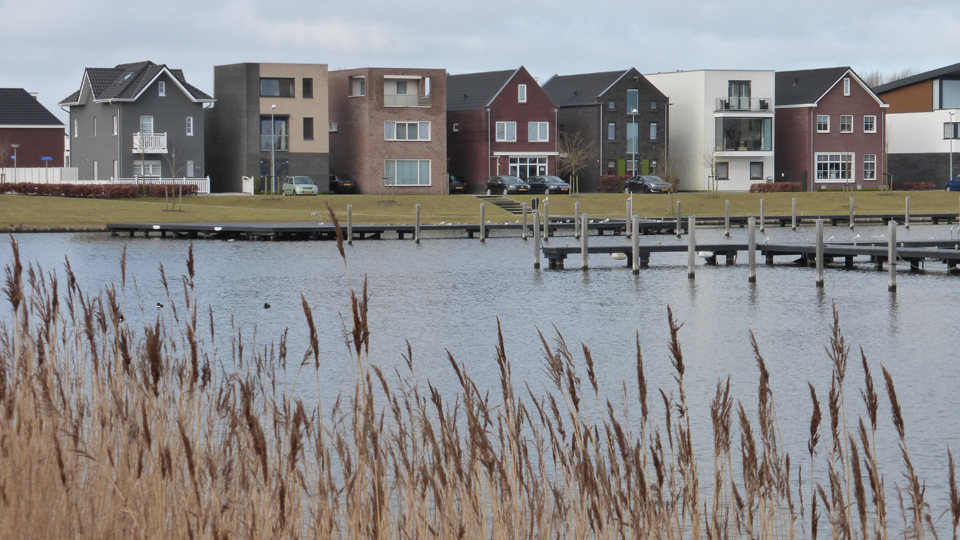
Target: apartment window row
[[536, 132], [407, 172], [285, 87], [951, 130], [633, 130], [633, 99], [846, 123], [146, 126], [839, 166], [406, 131], [721, 170]]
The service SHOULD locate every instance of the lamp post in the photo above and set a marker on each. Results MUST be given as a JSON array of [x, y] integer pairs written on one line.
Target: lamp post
[[952, 137], [636, 140], [16, 178], [273, 145]]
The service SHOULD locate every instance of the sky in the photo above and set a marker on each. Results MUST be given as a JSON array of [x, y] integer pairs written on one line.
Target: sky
[[46, 44]]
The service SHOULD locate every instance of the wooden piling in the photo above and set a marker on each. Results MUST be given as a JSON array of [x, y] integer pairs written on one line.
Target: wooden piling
[[416, 227], [892, 256], [906, 215], [793, 219], [483, 223], [851, 213], [819, 252], [576, 220], [583, 245], [763, 215], [546, 221], [536, 239], [523, 233], [679, 230], [635, 244], [752, 249], [691, 247], [627, 221], [726, 219], [350, 224]]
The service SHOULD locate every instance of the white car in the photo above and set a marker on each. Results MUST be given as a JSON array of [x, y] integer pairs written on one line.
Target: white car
[[300, 185]]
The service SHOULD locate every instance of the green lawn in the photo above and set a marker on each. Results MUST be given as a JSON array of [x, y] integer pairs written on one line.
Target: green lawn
[[61, 212]]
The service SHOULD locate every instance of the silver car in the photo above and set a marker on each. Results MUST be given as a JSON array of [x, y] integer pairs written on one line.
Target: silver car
[[300, 185]]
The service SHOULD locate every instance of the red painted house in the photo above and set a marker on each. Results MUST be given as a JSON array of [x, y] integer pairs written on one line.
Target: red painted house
[[35, 130], [829, 129], [499, 122]]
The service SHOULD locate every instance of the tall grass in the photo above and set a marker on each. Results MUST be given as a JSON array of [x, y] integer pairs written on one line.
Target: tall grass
[[110, 431]]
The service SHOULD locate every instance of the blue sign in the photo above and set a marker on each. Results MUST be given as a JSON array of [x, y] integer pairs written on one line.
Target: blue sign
[[46, 159]]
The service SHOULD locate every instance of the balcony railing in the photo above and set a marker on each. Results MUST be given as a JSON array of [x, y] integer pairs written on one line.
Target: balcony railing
[[744, 104], [405, 100], [279, 143], [149, 143]]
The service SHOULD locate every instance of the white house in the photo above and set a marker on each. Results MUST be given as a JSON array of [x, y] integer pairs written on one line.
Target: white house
[[721, 125]]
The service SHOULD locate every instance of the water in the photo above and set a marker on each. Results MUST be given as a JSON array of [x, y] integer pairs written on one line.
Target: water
[[448, 294]]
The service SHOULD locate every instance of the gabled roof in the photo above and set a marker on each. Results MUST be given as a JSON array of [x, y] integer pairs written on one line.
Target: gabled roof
[[19, 108], [953, 70], [581, 89], [127, 81], [808, 86], [476, 90]]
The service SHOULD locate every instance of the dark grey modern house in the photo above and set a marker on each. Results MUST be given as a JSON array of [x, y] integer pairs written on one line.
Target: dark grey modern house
[[133, 120], [619, 116]]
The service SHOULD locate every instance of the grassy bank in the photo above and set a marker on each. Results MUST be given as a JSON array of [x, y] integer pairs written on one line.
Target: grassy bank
[[60, 212]]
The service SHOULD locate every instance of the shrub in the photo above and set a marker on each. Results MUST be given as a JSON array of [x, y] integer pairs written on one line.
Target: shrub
[[611, 183], [94, 191], [917, 186], [777, 187]]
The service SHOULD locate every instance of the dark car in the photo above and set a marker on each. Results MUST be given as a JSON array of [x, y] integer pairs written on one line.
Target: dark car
[[506, 185], [953, 185], [341, 183], [646, 183], [548, 185], [457, 185]]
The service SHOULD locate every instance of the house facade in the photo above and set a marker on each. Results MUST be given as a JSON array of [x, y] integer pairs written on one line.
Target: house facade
[[38, 134], [133, 120], [923, 126], [618, 120], [388, 129], [721, 127], [270, 121], [500, 123], [829, 129]]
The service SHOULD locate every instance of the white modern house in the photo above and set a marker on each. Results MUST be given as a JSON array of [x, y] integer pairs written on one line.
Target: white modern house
[[721, 127]]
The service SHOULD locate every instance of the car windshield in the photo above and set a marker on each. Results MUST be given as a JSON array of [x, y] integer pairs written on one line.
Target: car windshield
[[555, 180], [302, 180], [512, 180]]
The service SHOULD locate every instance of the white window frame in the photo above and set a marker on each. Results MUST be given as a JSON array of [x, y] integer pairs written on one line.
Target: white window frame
[[191, 168], [874, 118], [116, 125], [331, 127], [150, 163], [611, 131], [654, 131], [76, 129], [951, 130], [825, 175], [142, 118], [421, 181], [358, 83], [189, 126], [162, 86], [390, 134], [870, 160], [819, 117], [843, 117], [536, 129], [94, 126], [521, 93], [96, 170], [846, 86], [506, 132], [116, 169]]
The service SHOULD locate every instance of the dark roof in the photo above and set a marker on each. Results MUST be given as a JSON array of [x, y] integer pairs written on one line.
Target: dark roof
[[19, 108], [933, 74], [581, 89], [126, 81], [475, 90], [805, 85]]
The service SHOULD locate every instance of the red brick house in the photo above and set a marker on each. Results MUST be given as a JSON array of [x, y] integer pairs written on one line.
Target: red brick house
[[829, 129], [499, 122], [34, 129]]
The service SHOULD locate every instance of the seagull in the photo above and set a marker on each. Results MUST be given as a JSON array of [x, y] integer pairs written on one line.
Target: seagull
[[159, 305], [314, 213], [766, 240], [605, 221], [830, 239], [266, 305], [855, 239]]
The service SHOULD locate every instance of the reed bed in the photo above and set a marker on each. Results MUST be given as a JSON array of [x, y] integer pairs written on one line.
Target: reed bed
[[110, 431]]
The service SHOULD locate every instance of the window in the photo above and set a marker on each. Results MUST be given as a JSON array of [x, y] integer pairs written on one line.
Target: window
[[96, 172], [869, 124], [522, 93], [146, 125], [722, 169], [76, 128], [823, 123], [331, 127], [611, 167], [407, 172], [525, 167], [162, 86], [506, 131], [835, 166], [308, 129], [653, 166], [94, 126], [654, 133], [654, 105], [307, 87], [756, 170], [538, 131], [633, 136], [633, 100], [612, 131], [276, 87], [190, 168], [406, 131], [612, 105], [116, 126], [846, 123], [949, 94], [401, 88], [426, 86], [951, 130], [278, 138], [189, 126], [146, 168], [738, 95], [744, 134], [358, 86], [846, 87], [869, 166]]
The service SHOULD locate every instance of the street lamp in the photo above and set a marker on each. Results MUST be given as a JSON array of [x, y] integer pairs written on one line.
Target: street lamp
[[636, 140], [952, 137], [273, 145], [16, 179]]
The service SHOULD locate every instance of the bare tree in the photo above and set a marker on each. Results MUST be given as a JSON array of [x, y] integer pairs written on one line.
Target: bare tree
[[668, 168], [574, 155], [709, 158], [874, 79]]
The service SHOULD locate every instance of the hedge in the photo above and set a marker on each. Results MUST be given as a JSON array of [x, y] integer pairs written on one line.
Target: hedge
[[918, 186], [777, 187], [611, 183], [95, 191]]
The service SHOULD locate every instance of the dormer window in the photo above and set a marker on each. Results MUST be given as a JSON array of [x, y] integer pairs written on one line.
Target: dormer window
[[162, 86]]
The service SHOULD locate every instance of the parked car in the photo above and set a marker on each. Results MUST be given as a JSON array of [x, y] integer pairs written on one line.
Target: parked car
[[646, 183], [457, 185], [953, 185], [506, 185], [300, 185], [341, 183], [548, 185]]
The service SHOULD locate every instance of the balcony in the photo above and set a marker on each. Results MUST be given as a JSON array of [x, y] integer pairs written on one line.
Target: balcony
[[149, 143], [744, 104], [405, 100]]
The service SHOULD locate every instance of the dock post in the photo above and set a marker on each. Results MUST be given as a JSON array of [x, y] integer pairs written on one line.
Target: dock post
[[906, 215], [627, 222], [752, 249], [546, 221], [576, 220], [851, 213], [892, 256], [524, 229], [679, 230], [793, 219], [583, 246], [416, 227], [635, 256], [726, 219], [349, 224], [691, 247], [763, 215], [819, 253], [536, 239], [483, 223]]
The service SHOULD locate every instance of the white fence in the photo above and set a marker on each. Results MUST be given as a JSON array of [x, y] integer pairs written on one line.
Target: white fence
[[203, 184], [39, 175]]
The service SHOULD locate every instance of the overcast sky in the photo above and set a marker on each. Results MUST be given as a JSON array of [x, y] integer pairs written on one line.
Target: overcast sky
[[46, 44]]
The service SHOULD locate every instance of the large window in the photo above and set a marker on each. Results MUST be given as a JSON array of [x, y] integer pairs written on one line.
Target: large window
[[869, 124], [538, 131], [823, 123], [276, 87], [756, 170], [633, 100], [869, 166], [280, 136], [146, 168], [846, 123], [744, 134], [835, 166], [738, 95], [722, 169], [506, 131], [633, 136], [406, 131], [951, 130], [612, 131], [407, 172], [950, 94], [525, 167]]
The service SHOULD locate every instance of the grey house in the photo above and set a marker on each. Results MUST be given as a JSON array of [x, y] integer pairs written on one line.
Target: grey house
[[134, 120], [619, 116]]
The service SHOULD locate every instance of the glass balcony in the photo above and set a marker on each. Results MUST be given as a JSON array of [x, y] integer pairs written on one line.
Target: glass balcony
[[744, 104], [405, 100], [744, 134]]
